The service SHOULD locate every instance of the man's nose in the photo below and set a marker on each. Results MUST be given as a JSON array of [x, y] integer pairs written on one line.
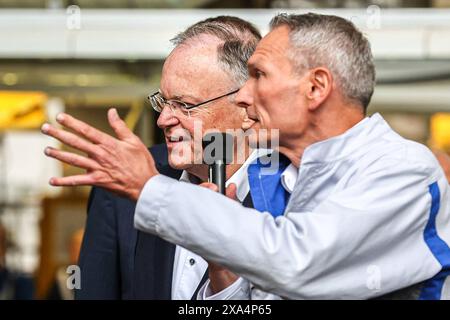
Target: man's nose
[[167, 118], [244, 97]]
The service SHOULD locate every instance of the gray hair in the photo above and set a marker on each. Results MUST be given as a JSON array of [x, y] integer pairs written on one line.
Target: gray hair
[[239, 42], [335, 43]]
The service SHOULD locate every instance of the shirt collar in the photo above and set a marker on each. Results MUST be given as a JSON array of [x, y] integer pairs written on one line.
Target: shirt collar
[[347, 143], [289, 177], [336, 147], [189, 178], [240, 177]]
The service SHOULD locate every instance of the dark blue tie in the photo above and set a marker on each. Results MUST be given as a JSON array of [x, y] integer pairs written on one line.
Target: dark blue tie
[[268, 194]]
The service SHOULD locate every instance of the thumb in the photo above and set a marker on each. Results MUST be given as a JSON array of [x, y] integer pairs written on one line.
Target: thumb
[[118, 125], [231, 191], [210, 186]]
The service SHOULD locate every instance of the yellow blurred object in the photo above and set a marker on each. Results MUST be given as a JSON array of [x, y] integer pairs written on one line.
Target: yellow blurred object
[[134, 114], [440, 131], [22, 110]]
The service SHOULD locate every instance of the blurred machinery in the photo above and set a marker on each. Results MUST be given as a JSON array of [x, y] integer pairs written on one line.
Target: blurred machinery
[[21, 189]]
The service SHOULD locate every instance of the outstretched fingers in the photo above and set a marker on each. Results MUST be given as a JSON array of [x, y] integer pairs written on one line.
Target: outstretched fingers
[[69, 139], [85, 130], [71, 158], [118, 125], [77, 180]]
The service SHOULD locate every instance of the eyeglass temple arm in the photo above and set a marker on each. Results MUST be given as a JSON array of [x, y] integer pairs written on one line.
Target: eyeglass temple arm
[[213, 99]]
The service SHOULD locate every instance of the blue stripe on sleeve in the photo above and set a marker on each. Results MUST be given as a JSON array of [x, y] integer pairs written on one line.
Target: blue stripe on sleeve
[[432, 288]]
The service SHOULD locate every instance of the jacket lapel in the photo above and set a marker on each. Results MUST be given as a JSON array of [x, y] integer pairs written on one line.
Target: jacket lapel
[[153, 256], [153, 267], [248, 201]]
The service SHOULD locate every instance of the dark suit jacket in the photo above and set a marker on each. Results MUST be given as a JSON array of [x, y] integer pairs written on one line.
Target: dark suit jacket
[[116, 260]]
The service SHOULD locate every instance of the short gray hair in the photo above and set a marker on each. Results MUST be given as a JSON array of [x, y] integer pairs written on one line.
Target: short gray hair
[[335, 43], [239, 42]]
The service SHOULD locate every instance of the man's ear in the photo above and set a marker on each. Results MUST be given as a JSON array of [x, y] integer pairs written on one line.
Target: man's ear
[[320, 87]]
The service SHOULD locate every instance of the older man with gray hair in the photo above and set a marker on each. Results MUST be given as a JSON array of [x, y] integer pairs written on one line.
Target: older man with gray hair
[[368, 212], [199, 80]]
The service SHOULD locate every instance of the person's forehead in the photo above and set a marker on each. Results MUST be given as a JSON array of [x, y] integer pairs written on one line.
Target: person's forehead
[[272, 47], [194, 86], [192, 71], [191, 59], [200, 49]]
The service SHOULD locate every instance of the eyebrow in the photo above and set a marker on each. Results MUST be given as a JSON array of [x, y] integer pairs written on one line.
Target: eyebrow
[[180, 97], [254, 63], [183, 96]]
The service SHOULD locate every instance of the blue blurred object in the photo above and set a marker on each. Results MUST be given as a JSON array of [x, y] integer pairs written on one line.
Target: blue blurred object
[[15, 286], [268, 194], [24, 287]]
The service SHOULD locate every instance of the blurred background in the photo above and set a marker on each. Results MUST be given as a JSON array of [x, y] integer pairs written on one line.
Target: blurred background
[[85, 56]]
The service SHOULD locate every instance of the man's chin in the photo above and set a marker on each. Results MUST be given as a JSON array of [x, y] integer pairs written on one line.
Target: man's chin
[[254, 139], [248, 126], [264, 139], [179, 164]]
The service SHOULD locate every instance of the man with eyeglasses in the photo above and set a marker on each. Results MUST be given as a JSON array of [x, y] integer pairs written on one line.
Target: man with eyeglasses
[[199, 80]]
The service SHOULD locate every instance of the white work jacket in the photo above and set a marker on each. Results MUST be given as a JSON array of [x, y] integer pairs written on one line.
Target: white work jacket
[[369, 215]]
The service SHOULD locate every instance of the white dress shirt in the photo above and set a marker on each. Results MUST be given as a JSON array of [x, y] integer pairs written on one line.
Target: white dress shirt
[[369, 215], [189, 268]]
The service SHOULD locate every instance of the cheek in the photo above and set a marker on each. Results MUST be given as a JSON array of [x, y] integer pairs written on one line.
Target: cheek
[[195, 126], [213, 118], [229, 121], [261, 92], [190, 125], [268, 107]]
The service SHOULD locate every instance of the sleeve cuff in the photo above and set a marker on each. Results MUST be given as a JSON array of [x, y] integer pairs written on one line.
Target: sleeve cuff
[[239, 290], [154, 197]]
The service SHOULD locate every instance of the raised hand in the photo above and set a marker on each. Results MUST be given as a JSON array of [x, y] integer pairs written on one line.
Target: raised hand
[[122, 165]]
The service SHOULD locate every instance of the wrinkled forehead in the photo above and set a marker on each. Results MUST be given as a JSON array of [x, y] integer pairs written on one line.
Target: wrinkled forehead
[[273, 48], [199, 51], [194, 65]]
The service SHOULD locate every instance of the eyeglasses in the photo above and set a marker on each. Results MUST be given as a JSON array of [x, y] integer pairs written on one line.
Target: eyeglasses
[[158, 102]]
